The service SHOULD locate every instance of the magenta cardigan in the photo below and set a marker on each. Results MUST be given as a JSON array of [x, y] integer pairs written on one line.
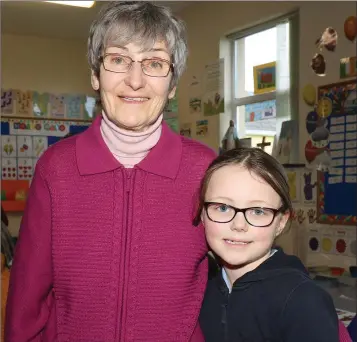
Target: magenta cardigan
[[105, 254]]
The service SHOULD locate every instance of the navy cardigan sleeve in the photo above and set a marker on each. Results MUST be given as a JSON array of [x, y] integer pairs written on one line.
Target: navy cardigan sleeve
[[309, 315]]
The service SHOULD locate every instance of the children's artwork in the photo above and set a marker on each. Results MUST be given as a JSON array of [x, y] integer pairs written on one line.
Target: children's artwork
[[328, 39], [9, 169], [38, 127], [288, 144], [311, 215], [24, 146], [201, 128], [24, 168], [195, 105], [8, 146], [23, 103], [348, 67], [308, 187], [186, 130], [293, 176], [350, 27], [74, 106], [40, 104], [57, 106], [213, 99], [7, 102], [337, 188], [260, 111], [40, 144], [264, 78]]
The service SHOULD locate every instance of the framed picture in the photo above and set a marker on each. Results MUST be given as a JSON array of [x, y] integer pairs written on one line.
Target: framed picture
[[264, 78]]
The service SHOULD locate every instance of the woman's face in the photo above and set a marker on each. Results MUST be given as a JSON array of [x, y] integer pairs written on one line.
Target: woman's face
[[238, 243], [133, 100]]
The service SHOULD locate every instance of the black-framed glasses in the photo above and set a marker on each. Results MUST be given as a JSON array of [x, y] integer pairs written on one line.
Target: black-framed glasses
[[153, 67], [255, 216]]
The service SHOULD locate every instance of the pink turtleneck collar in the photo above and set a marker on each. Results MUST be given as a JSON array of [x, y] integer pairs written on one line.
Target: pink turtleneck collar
[[129, 147]]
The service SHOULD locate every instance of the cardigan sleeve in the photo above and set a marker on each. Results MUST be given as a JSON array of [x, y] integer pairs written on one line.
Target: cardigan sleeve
[[310, 316], [30, 290]]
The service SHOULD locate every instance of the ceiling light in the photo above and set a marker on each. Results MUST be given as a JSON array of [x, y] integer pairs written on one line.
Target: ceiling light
[[86, 4]]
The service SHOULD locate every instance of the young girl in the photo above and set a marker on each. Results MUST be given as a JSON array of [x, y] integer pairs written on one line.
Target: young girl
[[260, 294]]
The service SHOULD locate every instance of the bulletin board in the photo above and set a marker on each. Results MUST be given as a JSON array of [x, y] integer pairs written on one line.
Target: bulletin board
[[337, 188], [23, 141]]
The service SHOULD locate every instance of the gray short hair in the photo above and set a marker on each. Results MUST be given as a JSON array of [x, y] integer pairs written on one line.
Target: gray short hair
[[143, 23]]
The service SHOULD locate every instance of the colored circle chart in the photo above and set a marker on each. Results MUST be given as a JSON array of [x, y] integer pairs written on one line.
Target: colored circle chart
[[313, 244], [341, 246], [326, 244]]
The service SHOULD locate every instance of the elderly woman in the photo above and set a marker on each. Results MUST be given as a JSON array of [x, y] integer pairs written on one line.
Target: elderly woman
[[107, 250]]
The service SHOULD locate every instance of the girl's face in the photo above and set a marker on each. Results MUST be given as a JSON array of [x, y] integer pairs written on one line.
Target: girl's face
[[238, 243]]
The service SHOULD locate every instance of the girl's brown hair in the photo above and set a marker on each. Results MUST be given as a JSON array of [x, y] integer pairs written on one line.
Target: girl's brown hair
[[256, 161]]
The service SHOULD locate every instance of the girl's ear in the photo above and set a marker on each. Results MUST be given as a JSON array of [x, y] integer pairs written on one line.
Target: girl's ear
[[282, 223]]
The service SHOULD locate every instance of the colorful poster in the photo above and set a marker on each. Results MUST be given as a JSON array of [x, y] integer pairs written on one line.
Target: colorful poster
[[201, 128], [213, 99], [57, 106], [23, 103], [38, 127], [40, 104], [74, 106], [260, 111], [7, 102]]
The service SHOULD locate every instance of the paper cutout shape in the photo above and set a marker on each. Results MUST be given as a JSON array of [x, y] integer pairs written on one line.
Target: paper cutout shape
[[318, 64], [350, 28], [7, 102], [324, 107], [309, 94], [40, 104], [328, 39]]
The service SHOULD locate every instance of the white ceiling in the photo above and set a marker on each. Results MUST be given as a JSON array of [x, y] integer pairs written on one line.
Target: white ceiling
[[55, 21]]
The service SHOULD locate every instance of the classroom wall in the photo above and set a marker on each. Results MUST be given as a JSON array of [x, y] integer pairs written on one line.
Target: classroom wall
[[208, 24], [43, 64]]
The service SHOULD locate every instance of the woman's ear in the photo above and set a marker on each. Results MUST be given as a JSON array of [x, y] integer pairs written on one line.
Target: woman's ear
[[94, 81]]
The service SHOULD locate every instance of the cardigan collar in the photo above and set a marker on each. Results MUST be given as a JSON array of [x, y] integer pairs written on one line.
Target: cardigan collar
[[93, 155]]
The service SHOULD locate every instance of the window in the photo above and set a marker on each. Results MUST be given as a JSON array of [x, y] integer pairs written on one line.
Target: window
[[261, 109]]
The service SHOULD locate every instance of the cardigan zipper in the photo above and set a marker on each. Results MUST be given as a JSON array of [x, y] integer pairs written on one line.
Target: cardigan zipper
[[125, 247]]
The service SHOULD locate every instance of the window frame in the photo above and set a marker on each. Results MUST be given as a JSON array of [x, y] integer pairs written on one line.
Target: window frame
[[291, 17]]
